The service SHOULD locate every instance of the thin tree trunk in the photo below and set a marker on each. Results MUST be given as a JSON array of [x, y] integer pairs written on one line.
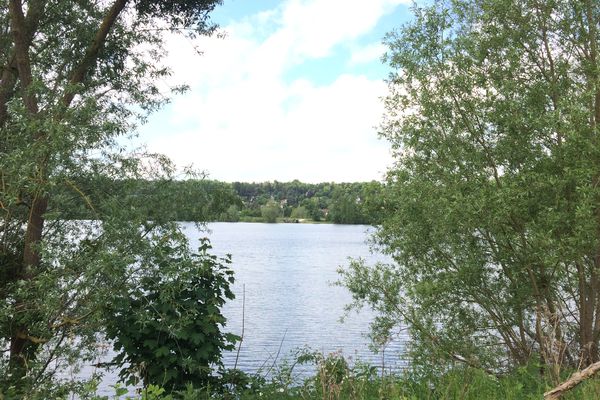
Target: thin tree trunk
[[35, 223], [594, 79], [10, 73], [22, 37], [91, 54]]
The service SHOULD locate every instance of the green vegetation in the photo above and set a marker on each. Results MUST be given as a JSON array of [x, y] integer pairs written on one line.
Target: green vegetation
[[270, 211], [167, 329], [76, 77], [164, 199], [340, 203], [209, 200], [335, 379], [492, 210]]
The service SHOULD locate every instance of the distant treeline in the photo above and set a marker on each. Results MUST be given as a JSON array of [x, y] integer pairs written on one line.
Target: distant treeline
[[341, 203], [209, 200]]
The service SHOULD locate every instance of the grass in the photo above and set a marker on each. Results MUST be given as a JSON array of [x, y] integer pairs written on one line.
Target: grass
[[335, 379], [462, 383]]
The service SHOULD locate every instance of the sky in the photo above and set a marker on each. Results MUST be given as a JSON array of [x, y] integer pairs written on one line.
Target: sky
[[289, 90]]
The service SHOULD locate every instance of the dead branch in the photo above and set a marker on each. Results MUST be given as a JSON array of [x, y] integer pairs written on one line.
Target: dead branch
[[573, 381]]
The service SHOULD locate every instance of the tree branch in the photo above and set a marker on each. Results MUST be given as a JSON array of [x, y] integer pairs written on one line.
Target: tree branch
[[573, 381], [22, 37], [10, 74], [91, 54]]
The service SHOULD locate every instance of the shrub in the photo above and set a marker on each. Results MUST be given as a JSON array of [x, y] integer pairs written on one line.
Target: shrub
[[169, 332]]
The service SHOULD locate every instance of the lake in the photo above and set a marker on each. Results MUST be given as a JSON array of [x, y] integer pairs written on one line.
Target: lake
[[287, 271]]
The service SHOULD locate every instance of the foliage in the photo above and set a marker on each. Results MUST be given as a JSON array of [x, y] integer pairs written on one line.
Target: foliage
[[299, 212], [167, 329], [335, 378], [76, 77], [232, 214], [270, 211], [210, 200], [167, 199], [491, 210], [345, 203]]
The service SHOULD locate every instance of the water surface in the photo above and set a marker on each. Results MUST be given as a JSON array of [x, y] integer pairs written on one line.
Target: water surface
[[287, 271]]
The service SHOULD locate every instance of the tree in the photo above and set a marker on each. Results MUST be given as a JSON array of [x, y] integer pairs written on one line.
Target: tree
[[75, 77], [346, 205], [492, 209], [299, 213], [270, 211], [231, 215], [312, 207]]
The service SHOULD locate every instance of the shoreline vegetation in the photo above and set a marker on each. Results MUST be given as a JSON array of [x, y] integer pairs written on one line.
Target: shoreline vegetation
[[200, 200], [282, 220], [335, 378]]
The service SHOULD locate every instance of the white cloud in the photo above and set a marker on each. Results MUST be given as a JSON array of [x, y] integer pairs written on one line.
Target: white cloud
[[243, 121], [315, 27], [370, 53], [327, 135]]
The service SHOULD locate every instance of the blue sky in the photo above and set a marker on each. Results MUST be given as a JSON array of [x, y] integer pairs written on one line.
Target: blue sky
[[291, 92]]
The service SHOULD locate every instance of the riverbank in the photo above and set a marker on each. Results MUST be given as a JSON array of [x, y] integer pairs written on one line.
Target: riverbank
[[286, 220]]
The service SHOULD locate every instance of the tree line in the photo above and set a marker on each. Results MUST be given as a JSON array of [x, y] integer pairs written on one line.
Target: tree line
[[203, 200], [342, 203]]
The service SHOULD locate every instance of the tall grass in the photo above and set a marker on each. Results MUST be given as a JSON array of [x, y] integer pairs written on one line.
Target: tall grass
[[335, 379]]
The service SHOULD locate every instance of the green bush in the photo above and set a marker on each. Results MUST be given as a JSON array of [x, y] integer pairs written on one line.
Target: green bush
[[168, 331]]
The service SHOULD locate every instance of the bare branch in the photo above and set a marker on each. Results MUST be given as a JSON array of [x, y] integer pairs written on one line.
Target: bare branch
[[573, 381]]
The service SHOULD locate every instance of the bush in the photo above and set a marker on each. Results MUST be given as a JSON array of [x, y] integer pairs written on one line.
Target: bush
[[169, 330]]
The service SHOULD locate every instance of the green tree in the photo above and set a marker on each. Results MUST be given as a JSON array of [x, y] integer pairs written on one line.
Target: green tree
[[76, 76], [270, 211], [346, 205], [492, 212], [372, 202], [312, 206], [299, 213], [232, 214], [345, 209]]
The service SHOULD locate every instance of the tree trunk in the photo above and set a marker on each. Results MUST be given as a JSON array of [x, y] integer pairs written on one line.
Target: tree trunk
[[21, 343]]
